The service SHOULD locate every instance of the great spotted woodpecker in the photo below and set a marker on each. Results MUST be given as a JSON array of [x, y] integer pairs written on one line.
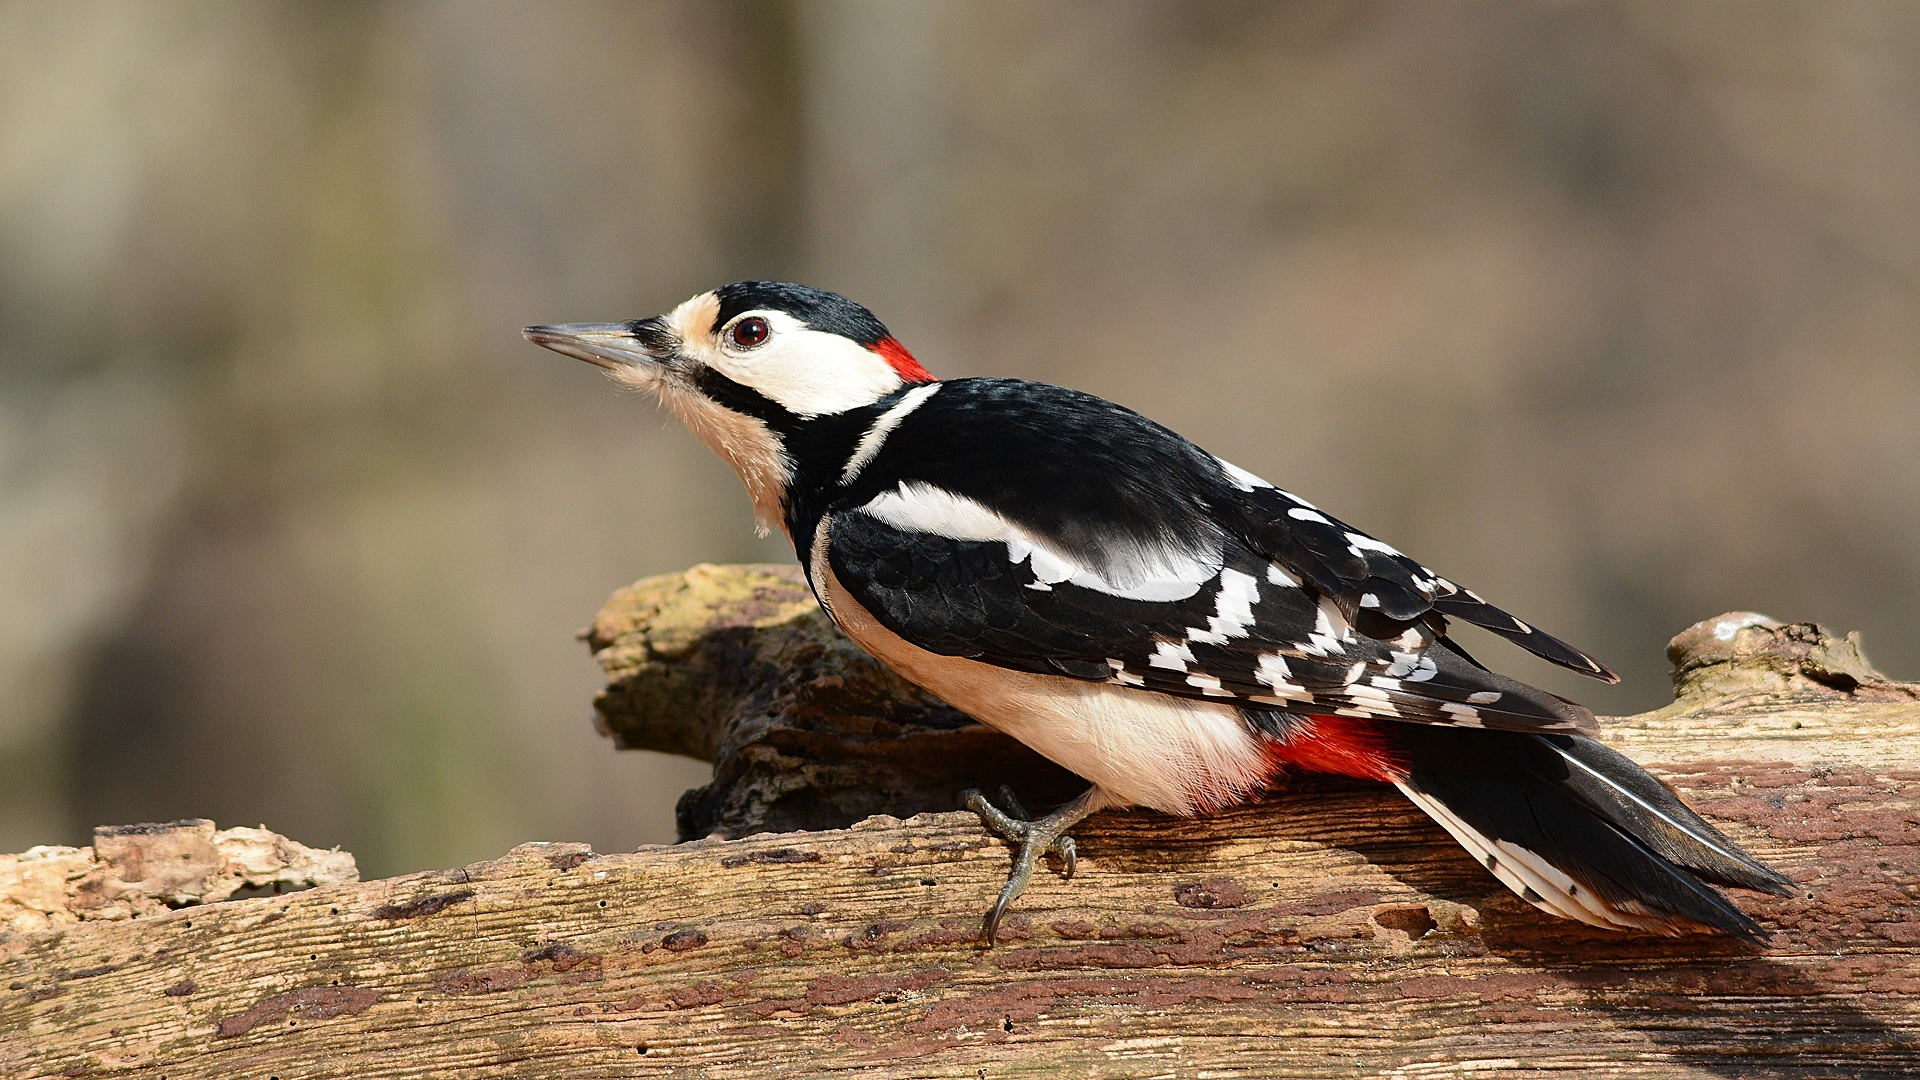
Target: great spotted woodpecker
[[1170, 627]]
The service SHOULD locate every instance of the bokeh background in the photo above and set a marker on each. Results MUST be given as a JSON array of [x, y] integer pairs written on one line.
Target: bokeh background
[[1605, 309]]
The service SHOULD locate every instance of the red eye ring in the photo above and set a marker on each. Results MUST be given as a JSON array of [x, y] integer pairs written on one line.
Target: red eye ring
[[750, 333]]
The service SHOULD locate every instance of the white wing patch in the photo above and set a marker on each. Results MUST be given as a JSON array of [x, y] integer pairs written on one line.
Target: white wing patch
[[1178, 755], [1208, 685], [1272, 671], [1402, 665], [921, 507], [1358, 542], [1232, 612], [1236, 637], [1131, 571], [1173, 657], [1330, 631], [1240, 477]]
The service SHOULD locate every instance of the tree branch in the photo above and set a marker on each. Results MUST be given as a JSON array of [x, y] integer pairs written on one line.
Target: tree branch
[[1330, 931]]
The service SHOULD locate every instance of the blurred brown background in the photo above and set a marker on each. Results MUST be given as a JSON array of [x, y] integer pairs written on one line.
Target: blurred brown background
[[1607, 310]]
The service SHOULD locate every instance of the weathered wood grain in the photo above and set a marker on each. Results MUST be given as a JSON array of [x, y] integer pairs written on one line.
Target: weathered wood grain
[[1329, 932]]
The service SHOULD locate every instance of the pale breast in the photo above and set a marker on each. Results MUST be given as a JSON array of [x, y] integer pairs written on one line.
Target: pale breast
[[1142, 748]]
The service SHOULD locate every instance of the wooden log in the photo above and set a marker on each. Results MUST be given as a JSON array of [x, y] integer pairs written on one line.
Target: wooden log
[[1330, 931], [136, 870], [738, 666]]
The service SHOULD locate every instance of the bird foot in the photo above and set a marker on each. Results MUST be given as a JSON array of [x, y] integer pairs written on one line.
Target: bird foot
[[1035, 840]]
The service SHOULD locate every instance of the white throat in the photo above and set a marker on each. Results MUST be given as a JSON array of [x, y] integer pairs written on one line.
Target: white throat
[[755, 451]]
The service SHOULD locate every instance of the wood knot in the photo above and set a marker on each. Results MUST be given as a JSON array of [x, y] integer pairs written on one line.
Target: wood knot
[[1745, 652], [1214, 893]]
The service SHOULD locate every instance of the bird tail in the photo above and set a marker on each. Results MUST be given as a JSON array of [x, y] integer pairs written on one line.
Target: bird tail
[[1578, 830]]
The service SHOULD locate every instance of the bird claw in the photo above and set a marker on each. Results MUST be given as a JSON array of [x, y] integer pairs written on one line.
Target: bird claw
[[1015, 824], [1013, 803], [1034, 839]]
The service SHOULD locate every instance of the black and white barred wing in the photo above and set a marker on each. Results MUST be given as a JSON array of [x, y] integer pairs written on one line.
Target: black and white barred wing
[[1229, 623], [1371, 581]]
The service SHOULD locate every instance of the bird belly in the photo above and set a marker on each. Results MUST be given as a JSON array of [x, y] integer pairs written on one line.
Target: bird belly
[[1142, 748]]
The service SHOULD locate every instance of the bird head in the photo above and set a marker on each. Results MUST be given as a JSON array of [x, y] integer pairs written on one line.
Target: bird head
[[747, 366]]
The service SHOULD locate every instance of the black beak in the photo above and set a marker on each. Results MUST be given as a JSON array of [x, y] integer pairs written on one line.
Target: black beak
[[610, 345]]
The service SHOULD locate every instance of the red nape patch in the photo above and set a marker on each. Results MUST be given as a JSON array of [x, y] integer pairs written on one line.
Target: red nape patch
[[1349, 746], [903, 362]]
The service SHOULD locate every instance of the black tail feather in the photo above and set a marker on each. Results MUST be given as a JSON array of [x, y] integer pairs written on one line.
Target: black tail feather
[[1609, 784], [1595, 837]]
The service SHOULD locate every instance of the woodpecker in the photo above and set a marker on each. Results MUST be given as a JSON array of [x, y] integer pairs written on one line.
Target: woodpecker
[[1166, 625]]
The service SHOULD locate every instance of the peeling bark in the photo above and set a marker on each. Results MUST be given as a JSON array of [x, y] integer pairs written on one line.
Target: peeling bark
[[1331, 931], [136, 870]]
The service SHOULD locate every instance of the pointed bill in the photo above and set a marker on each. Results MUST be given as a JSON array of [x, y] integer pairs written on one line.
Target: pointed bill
[[610, 345]]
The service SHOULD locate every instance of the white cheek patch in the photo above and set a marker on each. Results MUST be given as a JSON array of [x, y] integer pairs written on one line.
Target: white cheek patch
[[1131, 570], [807, 372]]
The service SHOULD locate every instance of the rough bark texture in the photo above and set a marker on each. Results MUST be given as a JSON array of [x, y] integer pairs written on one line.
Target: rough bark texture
[[1331, 931], [137, 870], [738, 666]]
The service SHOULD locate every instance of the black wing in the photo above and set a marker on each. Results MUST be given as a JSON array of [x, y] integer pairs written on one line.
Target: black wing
[[1370, 580], [1047, 530], [1250, 631], [1088, 473]]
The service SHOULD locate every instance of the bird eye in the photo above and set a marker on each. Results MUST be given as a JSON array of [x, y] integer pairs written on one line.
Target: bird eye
[[748, 333]]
